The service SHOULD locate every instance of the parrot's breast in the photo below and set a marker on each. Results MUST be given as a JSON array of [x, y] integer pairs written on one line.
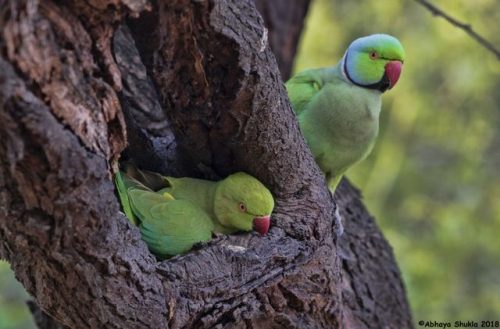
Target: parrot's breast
[[340, 125]]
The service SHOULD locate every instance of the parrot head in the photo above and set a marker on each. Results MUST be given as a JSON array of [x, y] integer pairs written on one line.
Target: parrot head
[[374, 62], [242, 202]]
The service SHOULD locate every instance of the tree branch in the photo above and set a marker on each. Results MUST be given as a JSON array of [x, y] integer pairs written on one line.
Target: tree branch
[[464, 26], [284, 20]]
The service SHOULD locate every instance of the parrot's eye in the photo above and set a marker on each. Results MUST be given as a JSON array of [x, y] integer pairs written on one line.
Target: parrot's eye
[[242, 207], [373, 55]]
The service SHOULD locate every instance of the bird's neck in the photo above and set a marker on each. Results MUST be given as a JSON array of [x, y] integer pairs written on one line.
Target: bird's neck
[[198, 191], [354, 118], [341, 68], [210, 198], [219, 217]]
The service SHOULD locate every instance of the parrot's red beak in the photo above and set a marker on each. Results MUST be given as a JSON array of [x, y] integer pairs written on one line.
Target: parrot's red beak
[[393, 71], [261, 224]]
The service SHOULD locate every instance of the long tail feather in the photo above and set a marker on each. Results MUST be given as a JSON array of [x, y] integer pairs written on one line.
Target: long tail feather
[[122, 187]]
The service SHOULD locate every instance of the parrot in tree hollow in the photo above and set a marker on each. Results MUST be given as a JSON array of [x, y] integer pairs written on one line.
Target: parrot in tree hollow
[[175, 213], [338, 107]]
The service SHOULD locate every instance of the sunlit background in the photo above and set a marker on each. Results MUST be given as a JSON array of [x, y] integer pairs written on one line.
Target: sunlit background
[[433, 179]]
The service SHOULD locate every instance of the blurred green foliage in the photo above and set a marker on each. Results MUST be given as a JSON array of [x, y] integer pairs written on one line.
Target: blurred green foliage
[[14, 313], [433, 179]]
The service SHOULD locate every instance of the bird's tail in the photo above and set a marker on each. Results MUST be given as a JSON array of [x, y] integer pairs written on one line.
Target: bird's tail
[[123, 184], [333, 182]]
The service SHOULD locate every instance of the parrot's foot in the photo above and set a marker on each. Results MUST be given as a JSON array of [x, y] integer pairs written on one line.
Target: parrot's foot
[[332, 186], [339, 227]]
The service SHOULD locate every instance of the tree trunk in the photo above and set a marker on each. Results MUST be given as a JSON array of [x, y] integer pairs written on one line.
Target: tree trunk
[[201, 94]]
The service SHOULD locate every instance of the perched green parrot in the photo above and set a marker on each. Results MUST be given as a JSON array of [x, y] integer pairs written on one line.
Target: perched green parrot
[[338, 107], [175, 213]]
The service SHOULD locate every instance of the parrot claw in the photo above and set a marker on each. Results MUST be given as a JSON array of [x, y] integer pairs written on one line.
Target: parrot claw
[[339, 227]]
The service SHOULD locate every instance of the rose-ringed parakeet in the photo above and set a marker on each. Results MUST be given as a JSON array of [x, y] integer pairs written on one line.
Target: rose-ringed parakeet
[[338, 107], [175, 213]]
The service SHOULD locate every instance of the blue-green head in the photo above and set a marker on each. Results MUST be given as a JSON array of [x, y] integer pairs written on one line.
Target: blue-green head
[[374, 61]]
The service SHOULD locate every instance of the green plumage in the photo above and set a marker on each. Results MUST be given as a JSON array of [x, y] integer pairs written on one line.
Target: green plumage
[[338, 107], [123, 195], [168, 226], [175, 213]]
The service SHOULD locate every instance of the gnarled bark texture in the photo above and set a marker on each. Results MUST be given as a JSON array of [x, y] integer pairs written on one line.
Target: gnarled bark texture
[[194, 89]]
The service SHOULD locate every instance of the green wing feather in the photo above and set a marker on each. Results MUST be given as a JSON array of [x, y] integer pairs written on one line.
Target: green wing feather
[[303, 87], [198, 191], [124, 199], [168, 226]]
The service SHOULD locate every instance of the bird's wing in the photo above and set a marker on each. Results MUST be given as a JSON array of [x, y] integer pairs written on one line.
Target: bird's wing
[[169, 226], [303, 87]]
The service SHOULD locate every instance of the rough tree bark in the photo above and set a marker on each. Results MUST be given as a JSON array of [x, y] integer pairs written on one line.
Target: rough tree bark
[[201, 94]]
